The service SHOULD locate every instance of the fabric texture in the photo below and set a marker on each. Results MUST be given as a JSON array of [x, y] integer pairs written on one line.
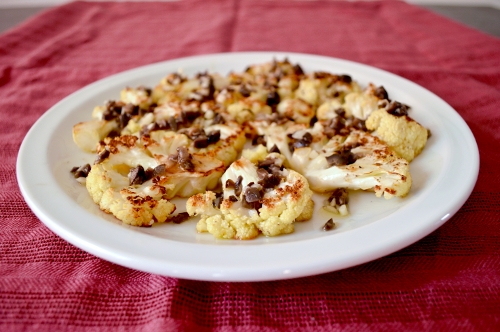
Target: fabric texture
[[450, 280]]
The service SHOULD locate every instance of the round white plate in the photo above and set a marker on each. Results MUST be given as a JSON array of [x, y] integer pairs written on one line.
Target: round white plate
[[443, 175]]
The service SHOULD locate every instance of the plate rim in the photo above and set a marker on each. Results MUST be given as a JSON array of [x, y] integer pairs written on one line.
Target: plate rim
[[210, 272]]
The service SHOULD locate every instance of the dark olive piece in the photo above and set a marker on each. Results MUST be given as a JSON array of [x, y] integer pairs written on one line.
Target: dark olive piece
[[346, 78], [81, 172], [218, 119], [273, 98], [238, 186], [381, 93], [329, 225], [245, 92], [136, 176], [214, 137], [274, 149], [172, 123], [218, 200], [298, 70], [252, 194], [259, 140], [185, 159], [397, 109], [101, 157], [201, 142], [178, 218]]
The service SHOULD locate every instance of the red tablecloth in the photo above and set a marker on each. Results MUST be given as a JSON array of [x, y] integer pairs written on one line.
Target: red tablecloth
[[450, 280]]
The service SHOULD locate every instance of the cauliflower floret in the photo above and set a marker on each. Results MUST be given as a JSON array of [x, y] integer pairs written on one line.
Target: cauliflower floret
[[189, 88], [403, 134], [134, 184], [280, 74], [128, 204], [199, 173], [327, 110], [256, 199], [259, 153], [287, 86], [362, 104], [122, 117], [296, 109], [88, 134], [362, 161], [165, 91], [245, 110], [203, 131], [307, 213], [274, 135], [189, 170], [176, 88], [358, 161], [320, 87], [163, 143], [134, 126], [140, 96], [108, 183], [308, 91], [282, 137], [168, 110], [231, 142], [256, 154]]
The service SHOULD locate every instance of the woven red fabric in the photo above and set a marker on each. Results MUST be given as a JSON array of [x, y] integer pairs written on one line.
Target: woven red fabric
[[450, 280]]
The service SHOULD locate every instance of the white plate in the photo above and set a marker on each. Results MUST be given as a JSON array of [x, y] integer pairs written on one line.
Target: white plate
[[444, 176]]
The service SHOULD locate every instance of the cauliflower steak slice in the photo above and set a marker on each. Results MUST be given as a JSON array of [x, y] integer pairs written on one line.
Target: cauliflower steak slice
[[357, 161], [112, 185], [257, 198], [134, 184], [360, 162]]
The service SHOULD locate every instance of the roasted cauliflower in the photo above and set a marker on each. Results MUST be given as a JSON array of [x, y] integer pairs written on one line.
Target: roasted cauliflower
[[362, 104], [140, 96], [358, 161], [113, 119], [361, 162], [257, 198], [185, 138], [114, 184], [319, 87], [403, 134], [88, 134]]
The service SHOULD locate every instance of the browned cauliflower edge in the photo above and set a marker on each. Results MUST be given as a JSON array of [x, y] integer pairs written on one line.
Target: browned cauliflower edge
[[251, 205], [403, 134]]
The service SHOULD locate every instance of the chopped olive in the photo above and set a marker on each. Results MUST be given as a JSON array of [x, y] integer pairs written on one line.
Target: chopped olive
[[329, 225], [81, 172], [340, 196], [238, 187], [185, 159], [397, 109], [178, 218], [101, 156], [137, 175]]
